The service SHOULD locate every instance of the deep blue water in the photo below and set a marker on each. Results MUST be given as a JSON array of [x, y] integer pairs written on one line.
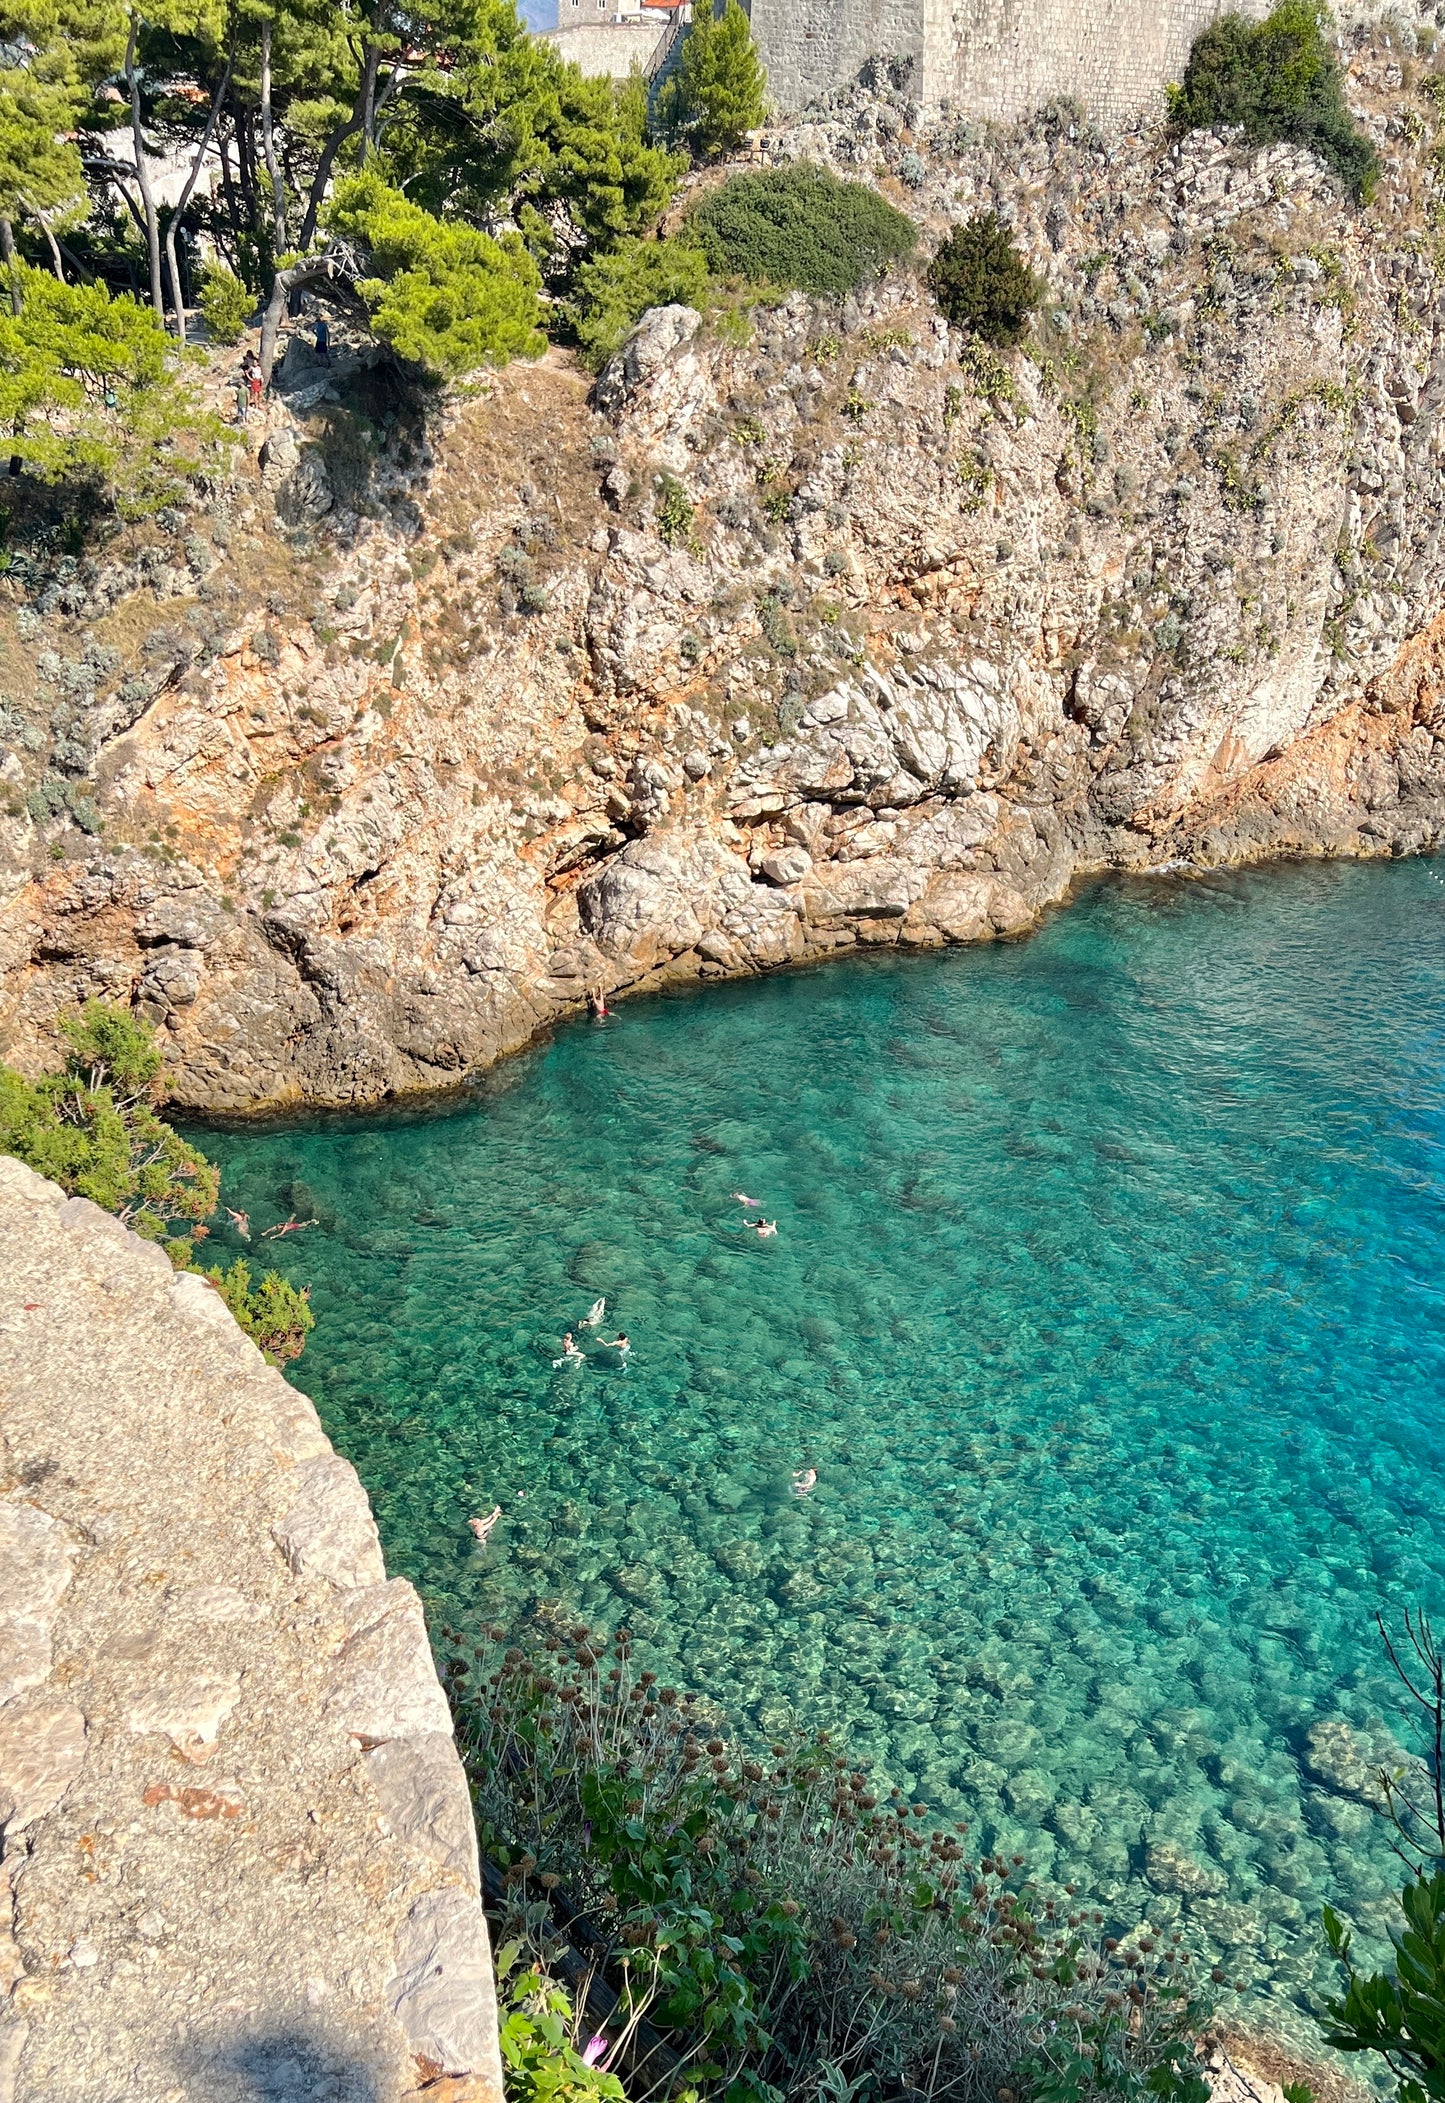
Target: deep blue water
[[1105, 1301]]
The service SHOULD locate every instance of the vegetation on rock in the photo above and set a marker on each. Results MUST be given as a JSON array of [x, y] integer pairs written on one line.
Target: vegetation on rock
[[444, 297], [227, 305], [273, 1313], [1400, 2015], [799, 227], [90, 394], [719, 92], [785, 1930], [614, 291], [1277, 80], [981, 282], [93, 1129]]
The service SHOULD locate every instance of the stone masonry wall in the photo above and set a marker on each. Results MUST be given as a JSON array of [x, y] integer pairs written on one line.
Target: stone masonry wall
[[238, 1850], [996, 60]]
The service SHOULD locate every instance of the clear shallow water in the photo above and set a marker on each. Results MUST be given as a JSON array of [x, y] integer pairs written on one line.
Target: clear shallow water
[[1105, 1301]]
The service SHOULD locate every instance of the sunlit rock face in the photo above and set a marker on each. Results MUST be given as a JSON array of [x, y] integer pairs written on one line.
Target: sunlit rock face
[[820, 628]]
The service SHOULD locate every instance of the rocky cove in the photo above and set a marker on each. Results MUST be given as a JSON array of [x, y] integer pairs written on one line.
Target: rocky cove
[[816, 628]]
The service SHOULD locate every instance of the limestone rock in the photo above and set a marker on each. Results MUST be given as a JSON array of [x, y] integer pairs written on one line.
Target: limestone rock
[[382, 1683], [189, 1711], [253, 1929], [1170, 1867], [442, 1991], [329, 1531], [423, 1794], [641, 358], [35, 1568], [42, 1746], [789, 865]]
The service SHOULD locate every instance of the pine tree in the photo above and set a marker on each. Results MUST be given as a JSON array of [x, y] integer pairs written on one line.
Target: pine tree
[[719, 91]]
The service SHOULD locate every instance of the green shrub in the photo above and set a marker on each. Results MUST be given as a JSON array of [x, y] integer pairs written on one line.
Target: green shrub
[[981, 282], [273, 1313], [539, 2040], [719, 92], [615, 290], [675, 513], [1400, 2015], [1278, 79], [92, 1128], [799, 227], [447, 298], [225, 303], [787, 1931]]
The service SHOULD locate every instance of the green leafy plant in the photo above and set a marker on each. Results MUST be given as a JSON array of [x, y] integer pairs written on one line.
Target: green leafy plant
[[1400, 2015], [227, 305], [539, 2040], [443, 296], [981, 282], [799, 227], [1277, 79], [91, 394], [788, 1931], [675, 513], [93, 1129], [614, 291], [719, 92], [275, 1314]]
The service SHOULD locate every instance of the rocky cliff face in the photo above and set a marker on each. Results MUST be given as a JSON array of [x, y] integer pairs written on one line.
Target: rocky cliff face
[[237, 1855], [804, 631]]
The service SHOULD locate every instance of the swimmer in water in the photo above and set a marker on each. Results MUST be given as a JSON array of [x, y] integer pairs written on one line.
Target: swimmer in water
[[597, 1005], [593, 1315], [241, 1221], [804, 1480], [764, 1228], [618, 1343], [569, 1351], [482, 1527], [746, 1200]]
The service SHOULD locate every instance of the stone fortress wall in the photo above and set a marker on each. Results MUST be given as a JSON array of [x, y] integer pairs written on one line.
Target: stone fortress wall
[[998, 59]]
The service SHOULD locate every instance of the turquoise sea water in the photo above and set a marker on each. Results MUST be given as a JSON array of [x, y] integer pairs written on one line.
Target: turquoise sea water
[[1105, 1301]]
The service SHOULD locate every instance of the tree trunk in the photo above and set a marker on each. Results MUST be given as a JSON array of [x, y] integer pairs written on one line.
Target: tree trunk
[[311, 270], [152, 223], [192, 179], [54, 246], [268, 142], [7, 252]]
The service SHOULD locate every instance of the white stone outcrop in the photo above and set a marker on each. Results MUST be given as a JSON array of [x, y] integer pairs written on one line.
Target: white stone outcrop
[[237, 1854]]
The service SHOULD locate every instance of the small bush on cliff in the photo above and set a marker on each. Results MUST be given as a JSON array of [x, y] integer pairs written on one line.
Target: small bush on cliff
[[543, 2053], [799, 227], [226, 303], [786, 1931], [1279, 80], [274, 1313], [1400, 2015], [981, 282], [93, 1129], [615, 290]]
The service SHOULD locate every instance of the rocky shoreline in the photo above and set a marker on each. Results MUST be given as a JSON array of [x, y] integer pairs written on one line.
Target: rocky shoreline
[[819, 629], [238, 1847]]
